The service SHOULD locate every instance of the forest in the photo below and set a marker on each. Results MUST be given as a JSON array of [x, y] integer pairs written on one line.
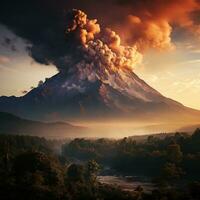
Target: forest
[[37, 168]]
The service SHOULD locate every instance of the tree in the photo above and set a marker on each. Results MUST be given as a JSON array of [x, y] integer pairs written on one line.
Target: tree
[[174, 153], [92, 169], [150, 139], [196, 134], [171, 172], [75, 173], [32, 168], [194, 189]]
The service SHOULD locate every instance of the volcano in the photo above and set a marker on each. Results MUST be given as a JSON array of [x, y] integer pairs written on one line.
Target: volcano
[[120, 94], [96, 81]]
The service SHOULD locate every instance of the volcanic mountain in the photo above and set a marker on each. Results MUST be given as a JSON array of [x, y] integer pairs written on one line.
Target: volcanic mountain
[[66, 96], [96, 81]]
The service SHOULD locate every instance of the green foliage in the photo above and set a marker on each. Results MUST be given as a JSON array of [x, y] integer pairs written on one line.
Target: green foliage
[[91, 171], [75, 173]]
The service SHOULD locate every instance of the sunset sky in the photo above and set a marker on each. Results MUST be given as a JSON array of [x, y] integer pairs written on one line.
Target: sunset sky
[[167, 34]]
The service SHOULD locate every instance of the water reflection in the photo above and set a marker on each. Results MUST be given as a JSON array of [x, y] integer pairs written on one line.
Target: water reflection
[[127, 183]]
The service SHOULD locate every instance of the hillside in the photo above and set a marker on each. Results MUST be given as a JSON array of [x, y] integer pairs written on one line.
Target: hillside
[[11, 124]]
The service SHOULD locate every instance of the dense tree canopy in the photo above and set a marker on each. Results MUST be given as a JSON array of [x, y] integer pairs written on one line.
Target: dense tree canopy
[[30, 168]]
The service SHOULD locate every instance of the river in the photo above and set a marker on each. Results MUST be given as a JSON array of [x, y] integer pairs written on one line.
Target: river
[[127, 183]]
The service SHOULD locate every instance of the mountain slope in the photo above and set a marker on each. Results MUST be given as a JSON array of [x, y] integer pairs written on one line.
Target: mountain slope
[[120, 95], [11, 124]]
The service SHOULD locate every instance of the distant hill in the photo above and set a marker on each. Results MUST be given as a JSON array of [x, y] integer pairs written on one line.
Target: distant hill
[[11, 124]]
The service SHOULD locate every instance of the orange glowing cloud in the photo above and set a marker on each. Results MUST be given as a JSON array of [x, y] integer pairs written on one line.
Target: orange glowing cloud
[[148, 33], [146, 23], [85, 28], [150, 23]]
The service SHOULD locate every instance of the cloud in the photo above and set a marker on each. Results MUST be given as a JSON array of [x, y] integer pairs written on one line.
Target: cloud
[[151, 23], [144, 24], [80, 26], [10, 43], [98, 49], [147, 24], [191, 62], [41, 24], [149, 34]]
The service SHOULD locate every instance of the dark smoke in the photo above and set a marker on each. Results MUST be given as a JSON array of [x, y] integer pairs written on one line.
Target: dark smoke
[[43, 24]]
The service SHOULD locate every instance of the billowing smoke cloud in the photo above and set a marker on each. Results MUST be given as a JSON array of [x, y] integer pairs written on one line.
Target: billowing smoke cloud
[[149, 34], [147, 23], [41, 24], [101, 56], [82, 28], [151, 24], [144, 24], [102, 51]]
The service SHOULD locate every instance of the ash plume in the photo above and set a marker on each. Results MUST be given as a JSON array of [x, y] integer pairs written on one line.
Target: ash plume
[[79, 25], [103, 57], [148, 24], [156, 20], [143, 24]]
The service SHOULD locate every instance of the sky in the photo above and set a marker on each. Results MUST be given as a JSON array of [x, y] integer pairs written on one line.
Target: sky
[[18, 71], [166, 33]]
